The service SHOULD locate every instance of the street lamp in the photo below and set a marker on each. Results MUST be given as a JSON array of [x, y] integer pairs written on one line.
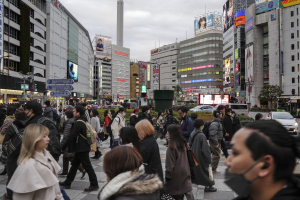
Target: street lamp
[[159, 72]]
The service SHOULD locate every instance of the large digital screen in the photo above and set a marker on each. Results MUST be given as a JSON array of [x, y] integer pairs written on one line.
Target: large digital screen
[[72, 71], [103, 48], [206, 23], [265, 5], [228, 15], [207, 99], [249, 64], [288, 3], [227, 71]]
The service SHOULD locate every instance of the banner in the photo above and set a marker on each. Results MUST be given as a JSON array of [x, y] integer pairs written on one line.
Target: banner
[[206, 23], [288, 3], [103, 48], [240, 20], [265, 5], [249, 64], [142, 64], [227, 71], [237, 67], [228, 15], [249, 25], [156, 76], [236, 53]]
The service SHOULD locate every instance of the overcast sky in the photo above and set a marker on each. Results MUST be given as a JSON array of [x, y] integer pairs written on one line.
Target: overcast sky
[[145, 21]]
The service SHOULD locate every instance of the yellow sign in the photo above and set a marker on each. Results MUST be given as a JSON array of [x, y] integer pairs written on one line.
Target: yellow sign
[[287, 3], [232, 89]]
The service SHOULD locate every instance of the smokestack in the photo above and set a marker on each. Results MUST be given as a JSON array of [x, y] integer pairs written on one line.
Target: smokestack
[[120, 23]]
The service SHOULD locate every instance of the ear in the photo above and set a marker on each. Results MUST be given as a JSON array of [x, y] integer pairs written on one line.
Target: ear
[[266, 167]]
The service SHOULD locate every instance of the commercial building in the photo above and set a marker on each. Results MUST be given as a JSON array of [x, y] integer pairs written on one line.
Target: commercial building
[[134, 80]]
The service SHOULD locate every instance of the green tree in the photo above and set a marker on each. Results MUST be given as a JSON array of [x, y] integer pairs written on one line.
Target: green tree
[[178, 93], [270, 93]]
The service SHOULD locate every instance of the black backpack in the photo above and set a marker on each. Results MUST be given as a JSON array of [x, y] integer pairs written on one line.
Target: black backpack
[[108, 128], [206, 130]]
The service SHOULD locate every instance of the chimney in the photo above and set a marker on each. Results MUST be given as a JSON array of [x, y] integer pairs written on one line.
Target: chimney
[[120, 23]]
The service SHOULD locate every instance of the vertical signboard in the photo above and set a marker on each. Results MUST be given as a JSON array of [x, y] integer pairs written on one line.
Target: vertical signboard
[[148, 72], [249, 64], [103, 48], [227, 71], [1, 31], [228, 15], [249, 24], [156, 76], [142, 64], [236, 53]]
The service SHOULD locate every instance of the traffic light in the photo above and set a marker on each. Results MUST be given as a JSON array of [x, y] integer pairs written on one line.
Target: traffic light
[[36, 87]]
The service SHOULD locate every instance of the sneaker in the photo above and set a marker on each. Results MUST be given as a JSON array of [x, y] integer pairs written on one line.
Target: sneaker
[[91, 188], [210, 189], [216, 171], [64, 185]]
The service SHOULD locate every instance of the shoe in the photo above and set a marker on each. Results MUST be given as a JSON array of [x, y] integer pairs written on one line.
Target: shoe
[[62, 174], [210, 189], [91, 188], [64, 185], [6, 197], [216, 171], [4, 172], [83, 174]]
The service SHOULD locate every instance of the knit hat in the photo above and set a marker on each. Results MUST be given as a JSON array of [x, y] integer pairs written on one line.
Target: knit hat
[[135, 110], [20, 114], [69, 108]]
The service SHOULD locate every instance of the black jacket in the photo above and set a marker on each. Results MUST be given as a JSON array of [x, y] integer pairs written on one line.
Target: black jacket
[[75, 141], [133, 120], [142, 116], [151, 157], [227, 124], [2, 117], [54, 144], [290, 192], [236, 123], [150, 118], [170, 119]]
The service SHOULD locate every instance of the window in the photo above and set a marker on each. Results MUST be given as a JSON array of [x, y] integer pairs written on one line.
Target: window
[[293, 58], [293, 80], [292, 24], [297, 33], [298, 45], [293, 91], [31, 55], [174, 62], [173, 80], [31, 13], [297, 22], [173, 74], [31, 42], [292, 13], [293, 69], [292, 46], [297, 12], [175, 67], [298, 56], [292, 35], [32, 27], [15, 2]]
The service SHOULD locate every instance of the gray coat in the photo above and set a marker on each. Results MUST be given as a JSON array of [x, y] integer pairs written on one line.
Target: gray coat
[[48, 112], [67, 130], [216, 131], [201, 150]]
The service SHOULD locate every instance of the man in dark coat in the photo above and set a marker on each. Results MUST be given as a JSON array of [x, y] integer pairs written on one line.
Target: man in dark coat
[[144, 114], [236, 122], [77, 143], [187, 124], [2, 115], [228, 124]]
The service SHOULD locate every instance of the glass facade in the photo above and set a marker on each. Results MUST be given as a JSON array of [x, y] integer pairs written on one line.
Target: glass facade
[[73, 41]]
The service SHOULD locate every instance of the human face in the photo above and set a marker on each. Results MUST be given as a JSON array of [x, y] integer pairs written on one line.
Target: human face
[[75, 113], [223, 111], [203, 23], [181, 114], [42, 143], [28, 113]]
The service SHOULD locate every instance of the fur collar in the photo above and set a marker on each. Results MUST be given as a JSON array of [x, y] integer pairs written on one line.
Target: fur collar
[[127, 184]]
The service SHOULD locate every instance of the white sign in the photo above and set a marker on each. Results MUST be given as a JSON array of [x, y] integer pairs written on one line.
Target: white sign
[[207, 99], [60, 81]]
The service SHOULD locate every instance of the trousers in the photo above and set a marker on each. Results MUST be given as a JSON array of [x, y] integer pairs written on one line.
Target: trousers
[[84, 159], [216, 155], [66, 165]]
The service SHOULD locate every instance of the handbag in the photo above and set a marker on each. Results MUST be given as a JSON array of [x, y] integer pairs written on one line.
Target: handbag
[[192, 163], [101, 135]]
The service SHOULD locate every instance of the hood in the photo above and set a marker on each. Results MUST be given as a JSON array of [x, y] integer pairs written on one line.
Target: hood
[[21, 123], [82, 117], [285, 122], [48, 109], [216, 120]]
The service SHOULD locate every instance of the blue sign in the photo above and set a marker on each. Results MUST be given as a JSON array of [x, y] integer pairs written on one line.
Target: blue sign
[[60, 94], [249, 25], [26, 87], [240, 13], [60, 87], [264, 5], [60, 81]]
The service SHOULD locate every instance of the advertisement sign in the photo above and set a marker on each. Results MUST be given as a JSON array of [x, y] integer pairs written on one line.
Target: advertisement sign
[[144, 88], [207, 99], [156, 76], [236, 54], [103, 48], [237, 80], [142, 64], [227, 71], [249, 64], [72, 71], [195, 68], [232, 81], [240, 13], [236, 67], [206, 23], [148, 72], [240, 21], [287, 3], [265, 5], [228, 15], [249, 24]]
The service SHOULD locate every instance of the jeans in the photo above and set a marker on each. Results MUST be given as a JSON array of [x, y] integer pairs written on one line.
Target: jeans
[[63, 192]]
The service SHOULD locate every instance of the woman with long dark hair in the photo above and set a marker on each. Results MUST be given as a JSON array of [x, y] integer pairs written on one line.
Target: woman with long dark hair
[[170, 119], [177, 175], [95, 122], [129, 135]]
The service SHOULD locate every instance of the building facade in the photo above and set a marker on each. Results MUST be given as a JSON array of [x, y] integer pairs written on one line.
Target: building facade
[[134, 81]]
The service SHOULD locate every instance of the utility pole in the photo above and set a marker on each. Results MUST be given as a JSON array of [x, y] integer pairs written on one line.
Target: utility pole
[[298, 85]]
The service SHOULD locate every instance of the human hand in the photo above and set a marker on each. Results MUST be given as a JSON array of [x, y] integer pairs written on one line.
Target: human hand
[[217, 146], [226, 135]]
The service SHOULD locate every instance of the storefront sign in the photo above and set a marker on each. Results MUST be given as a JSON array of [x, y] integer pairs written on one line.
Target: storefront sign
[[236, 53], [81, 95], [207, 99], [121, 54], [237, 67], [122, 80]]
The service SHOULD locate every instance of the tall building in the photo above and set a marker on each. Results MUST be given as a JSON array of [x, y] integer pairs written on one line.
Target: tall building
[[120, 22]]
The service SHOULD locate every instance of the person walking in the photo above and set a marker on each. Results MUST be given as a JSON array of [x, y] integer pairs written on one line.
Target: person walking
[[77, 143], [186, 124], [10, 117], [130, 136], [216, 136], [160, 125], [221, 109], [200, 148], [150, 118], [235, 122], [63, 118], [2, 116], [118, 123], [133, 117], [95, 122], [227, 123], [37, 168], [177, 175], [68, 157], [170, 119], [86, 112], [194, 116], [144, 114], [150, 149], [107, 119], [127, 178], [48, 112]]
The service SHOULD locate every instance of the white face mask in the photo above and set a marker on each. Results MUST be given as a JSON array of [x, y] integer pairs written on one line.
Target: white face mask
[[149, 111], [124, 114], [66, 119]]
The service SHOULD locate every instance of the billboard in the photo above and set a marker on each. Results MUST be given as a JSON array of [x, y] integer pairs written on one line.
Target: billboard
[[144, 89], [249, 64], [249, 25], [240, 20], [288, 3], [237, 69], [72, 71], [227, 71], [237, 80], [228, 15], [142, 64], [206, 23], [207, 99], [103, 48], [236, 53], [156, 76], [265, 5]]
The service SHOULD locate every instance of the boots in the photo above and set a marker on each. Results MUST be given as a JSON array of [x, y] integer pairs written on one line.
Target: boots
[[98, 154]]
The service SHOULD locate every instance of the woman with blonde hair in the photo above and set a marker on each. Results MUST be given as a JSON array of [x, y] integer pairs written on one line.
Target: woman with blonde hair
[[150, 149], [36, 164]]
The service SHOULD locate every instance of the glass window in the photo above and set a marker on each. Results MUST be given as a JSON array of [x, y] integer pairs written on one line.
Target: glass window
[[292, 35], [293, 58], [292, 13], [292, 46], [31, 13], [298, 45], [32, 27], [292, 24], [293, 80], [293, 69], [297, 33], [297, 22]]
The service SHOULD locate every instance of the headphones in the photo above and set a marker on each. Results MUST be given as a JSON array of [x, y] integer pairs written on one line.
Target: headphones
[[217, 114], [265, 166]]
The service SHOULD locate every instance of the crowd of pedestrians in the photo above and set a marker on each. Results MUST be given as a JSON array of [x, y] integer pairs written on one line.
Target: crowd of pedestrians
[[262, 159]]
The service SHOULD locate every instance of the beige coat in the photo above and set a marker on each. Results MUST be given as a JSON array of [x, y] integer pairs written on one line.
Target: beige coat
[[118, 123], [36, 179]]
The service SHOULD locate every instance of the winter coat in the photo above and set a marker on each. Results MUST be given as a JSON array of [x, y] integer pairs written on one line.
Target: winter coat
[[48, 112], [227, 123], [216, 131], [107, 120], [130, 185], [67, 130], [133, 119], [95, 122], [75, 142], [2, 117], [151, 156], [236, 123], [40, 176], [290, 192], [150, 118], [178, 175], [54, 145], [170, 119], [7, 122], [142, 116], [160, 122], [186, 127], [201, 150], [118, 123]]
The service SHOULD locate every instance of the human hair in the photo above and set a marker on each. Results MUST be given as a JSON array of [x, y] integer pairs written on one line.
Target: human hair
[[269, 137], [217, 113], [233, 112], [121, 159], [106, 113], [80, 109], [228, 110], [194, 116], [170, 111], [129, 135], [83, 104], [258, 116], [69, 114], [100, 40], [145, 108], [202, 19], [95, 112], [144, 129], [183, 109], [121, 109], [176, 139], [34, 106], [198, 123], [159, 114], [150, 106], [221, 107], [113, 113], [47, 103], [32, 134], [11, 110], [18, 105]]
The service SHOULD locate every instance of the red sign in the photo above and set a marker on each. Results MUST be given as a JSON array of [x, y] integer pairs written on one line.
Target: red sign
[[156, 71], [55, 3], [121, 96], [142, 64], [121, 54], [155, 51], [123, 80], [146, 97], [236, 67]]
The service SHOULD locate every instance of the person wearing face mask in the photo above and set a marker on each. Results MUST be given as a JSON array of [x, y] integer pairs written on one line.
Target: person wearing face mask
[[133, 117], [262, 163], [118, 123], [227, 123], [187, 124], [144, 114]]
